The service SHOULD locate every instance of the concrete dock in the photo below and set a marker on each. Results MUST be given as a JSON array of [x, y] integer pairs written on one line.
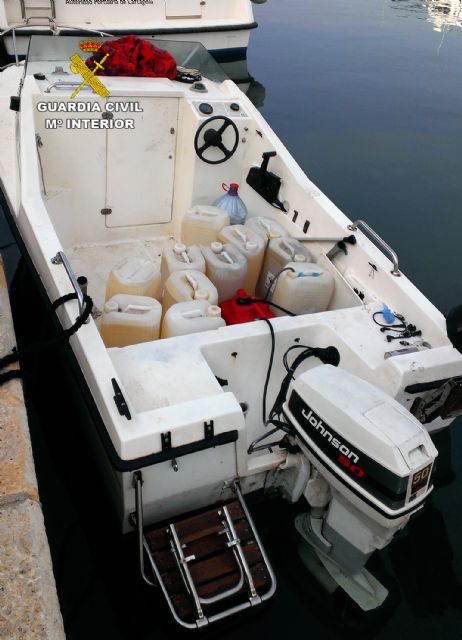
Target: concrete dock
[[29, 607]]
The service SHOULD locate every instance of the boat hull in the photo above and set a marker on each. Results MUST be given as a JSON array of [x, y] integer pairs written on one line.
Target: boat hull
[[226, 44], [176, 388]]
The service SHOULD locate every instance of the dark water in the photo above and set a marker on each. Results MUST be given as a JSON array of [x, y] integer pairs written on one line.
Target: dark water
[[367, 96]]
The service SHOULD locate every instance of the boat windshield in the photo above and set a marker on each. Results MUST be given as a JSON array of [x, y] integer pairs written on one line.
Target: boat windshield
[[192, 55]]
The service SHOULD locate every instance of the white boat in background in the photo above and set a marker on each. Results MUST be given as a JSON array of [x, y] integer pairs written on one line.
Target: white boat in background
[[357, 375], [222, 26]]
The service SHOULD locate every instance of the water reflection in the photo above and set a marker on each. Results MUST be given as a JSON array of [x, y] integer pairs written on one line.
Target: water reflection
[[443, 14], [237, 70]]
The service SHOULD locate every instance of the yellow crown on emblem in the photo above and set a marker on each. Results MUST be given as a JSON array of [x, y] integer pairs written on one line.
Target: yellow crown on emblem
[[89, 46]]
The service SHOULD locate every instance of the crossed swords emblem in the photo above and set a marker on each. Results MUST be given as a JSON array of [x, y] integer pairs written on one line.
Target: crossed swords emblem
[[78, 66]]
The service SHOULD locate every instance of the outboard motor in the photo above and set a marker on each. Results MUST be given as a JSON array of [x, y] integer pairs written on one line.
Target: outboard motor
[[371, 466]]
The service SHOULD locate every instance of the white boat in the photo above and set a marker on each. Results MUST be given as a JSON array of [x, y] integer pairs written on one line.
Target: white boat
[[223, 27], [356, 385]]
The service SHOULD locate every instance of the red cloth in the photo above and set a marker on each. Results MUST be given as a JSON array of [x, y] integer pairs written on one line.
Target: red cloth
[[132, 56]]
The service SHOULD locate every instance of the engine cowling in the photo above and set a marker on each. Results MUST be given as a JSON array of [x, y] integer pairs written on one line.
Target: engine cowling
[[368, 447]]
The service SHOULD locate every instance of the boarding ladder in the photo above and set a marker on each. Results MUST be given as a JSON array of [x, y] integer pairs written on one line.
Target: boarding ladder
[[33, 12], [209, 565]]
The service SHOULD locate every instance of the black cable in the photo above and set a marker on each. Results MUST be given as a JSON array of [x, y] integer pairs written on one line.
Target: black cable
[[295, 346], [327, 355], [274, 280], [277, 306], [270, 367], [396, 327], [250, 299], [282, 394], [404, 330]]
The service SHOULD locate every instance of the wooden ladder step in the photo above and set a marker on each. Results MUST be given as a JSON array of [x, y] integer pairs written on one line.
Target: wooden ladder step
[[182, 602], [194, 527], [202, 547], [212, 569], [211, 554]]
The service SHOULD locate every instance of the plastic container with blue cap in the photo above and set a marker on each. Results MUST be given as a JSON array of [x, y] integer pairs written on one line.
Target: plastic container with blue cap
[[305, 288], [232, 203], [280, 251]]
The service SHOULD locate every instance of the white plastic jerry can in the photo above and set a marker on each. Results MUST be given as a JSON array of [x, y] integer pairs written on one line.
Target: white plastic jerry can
[[226, 267], [134, 276], [130, 319], [180, 257], [192, 316], [279, 252], [182, 286], [251, 245], [202, 223], [267, 228], [306, 289]]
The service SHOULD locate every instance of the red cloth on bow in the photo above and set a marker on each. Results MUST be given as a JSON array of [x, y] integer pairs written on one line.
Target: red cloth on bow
[[132, 56]]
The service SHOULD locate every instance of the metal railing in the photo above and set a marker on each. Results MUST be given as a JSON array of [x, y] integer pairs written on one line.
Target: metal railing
[[64, 83], [61, 258], [379, 242], [54, 28], [52, 8]]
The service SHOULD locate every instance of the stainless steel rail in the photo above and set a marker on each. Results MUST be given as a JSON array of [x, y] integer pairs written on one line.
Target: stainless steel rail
[[269, 594], [182, 563], [319, 238], [60, 258], [52, 26], [58, 27], [379, 242], [52, 8], [137, 521], [64, 83], [234, 543]]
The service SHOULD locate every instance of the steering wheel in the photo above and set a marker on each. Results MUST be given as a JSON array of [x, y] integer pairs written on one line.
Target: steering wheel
[[213, 138]]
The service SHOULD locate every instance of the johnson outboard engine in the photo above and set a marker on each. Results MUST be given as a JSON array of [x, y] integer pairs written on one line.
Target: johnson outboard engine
[[371, 466]]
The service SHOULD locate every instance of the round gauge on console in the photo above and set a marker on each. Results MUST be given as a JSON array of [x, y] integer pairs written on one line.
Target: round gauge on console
[[205, 108]]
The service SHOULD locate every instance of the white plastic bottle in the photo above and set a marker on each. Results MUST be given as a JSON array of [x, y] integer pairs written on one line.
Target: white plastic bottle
[[182, 286], [191, 317], [251, 245], [134, 276], [130, 319], [267, 228], [202, 223], [180, 257], [307, 289], [226, 267], [232, 203], [279, 252]]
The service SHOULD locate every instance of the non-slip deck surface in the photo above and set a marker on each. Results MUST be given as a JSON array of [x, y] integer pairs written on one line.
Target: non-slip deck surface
[[215, 568]]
